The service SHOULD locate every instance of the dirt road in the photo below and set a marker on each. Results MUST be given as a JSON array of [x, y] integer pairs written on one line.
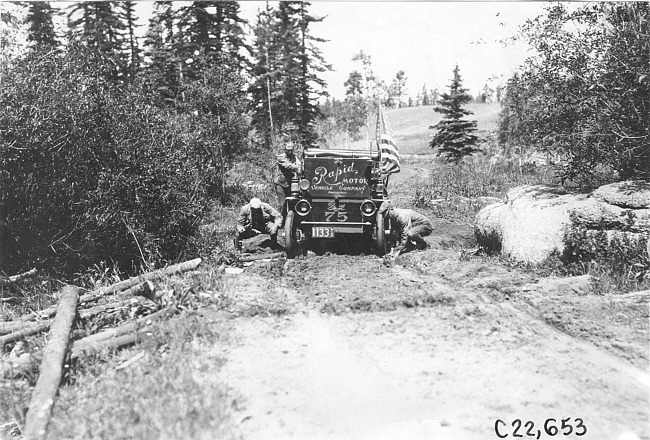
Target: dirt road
[[433, 345]]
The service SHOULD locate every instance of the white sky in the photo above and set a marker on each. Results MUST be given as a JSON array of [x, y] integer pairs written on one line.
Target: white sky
[[425, 39]]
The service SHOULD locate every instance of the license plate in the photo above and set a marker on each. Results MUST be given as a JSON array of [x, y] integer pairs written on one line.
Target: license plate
[[322, 232]]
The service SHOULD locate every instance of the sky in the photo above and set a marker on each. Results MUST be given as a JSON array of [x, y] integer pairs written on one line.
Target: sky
[[425, 39]]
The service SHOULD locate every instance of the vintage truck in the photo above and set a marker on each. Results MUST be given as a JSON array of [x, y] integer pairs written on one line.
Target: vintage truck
[[337, 192]]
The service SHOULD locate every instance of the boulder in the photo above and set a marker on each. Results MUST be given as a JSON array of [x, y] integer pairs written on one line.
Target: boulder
[[486, 201], [530, 224], [598, 214], [633, 194]]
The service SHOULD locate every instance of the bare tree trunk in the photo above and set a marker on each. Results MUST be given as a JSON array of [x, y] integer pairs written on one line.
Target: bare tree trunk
[[47, 386]]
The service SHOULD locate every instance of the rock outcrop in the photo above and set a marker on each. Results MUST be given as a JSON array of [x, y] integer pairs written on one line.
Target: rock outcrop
[[531, 223]]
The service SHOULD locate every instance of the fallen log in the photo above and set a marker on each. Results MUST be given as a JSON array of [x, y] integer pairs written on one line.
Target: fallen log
[[15, 278], [93, 311], [111, 338], [145, 289], [21, 333], [88, 343], [113, 343], [123, 285], [150, 276], [261, 256], [51, 369]]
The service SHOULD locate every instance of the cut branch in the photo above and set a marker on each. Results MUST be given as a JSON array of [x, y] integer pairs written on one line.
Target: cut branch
[[51, 369], [19, 333], [93, 311], [15, 278], [90, 344], [261, 257]]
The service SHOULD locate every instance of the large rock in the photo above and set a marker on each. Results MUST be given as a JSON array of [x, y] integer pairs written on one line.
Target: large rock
[[630, 194], [531, 223]]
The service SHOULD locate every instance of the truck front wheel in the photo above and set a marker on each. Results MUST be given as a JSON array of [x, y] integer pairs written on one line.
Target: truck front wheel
[[291, 243], [382, 239]]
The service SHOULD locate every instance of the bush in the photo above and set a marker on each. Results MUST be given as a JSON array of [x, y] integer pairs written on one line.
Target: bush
[[91, 171], [584, 97], [620, 261]]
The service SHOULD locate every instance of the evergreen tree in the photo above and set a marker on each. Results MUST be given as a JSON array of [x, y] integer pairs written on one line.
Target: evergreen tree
[[133, 50], [455, 138], [41, 28], [425, 96], [99, 26], [288, 62], [210, 32], [163, 67], [266, 73], [398, 88]]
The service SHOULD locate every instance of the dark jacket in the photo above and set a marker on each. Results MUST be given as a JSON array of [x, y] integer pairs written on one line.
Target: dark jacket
[[286, 168], [269, 213]]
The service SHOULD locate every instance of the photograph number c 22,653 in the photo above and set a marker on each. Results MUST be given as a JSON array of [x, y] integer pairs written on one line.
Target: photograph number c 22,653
[[550, 428]]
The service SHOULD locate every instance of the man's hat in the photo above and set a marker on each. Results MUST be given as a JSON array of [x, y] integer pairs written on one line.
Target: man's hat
[[289, 146], [256, 203], [385, 207]]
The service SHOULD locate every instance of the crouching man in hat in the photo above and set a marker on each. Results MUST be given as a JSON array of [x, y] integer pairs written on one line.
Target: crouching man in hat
[[408, 226], [257, 217]]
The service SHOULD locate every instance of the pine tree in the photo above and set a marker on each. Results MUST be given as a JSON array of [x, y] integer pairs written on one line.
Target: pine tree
[[266, 74], [133, 50], [455, 138], [210, 32], [99, 26], [163, 68], [41, 28], [287, 66], [398, 87], [425, 96]]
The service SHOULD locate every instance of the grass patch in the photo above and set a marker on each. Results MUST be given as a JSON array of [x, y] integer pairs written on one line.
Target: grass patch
[[171, 393], [453, 191]]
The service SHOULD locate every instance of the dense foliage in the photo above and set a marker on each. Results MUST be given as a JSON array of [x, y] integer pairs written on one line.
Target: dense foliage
[[286, 81], [585, 97], [455, 136], [91, 171]]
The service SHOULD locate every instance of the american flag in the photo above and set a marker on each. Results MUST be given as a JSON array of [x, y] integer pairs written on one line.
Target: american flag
[[387, 145]]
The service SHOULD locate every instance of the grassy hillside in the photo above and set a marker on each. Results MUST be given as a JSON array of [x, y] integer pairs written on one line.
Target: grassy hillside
[[411, 126]]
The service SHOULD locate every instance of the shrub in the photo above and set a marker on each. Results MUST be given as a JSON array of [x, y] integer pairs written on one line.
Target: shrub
[[584, 97], [618, 260], [91, 171]]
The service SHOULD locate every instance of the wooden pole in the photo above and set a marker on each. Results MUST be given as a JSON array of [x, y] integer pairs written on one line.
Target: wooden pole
[[51, 369]]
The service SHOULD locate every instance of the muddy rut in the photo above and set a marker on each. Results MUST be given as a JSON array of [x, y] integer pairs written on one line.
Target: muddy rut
[[435, 344]]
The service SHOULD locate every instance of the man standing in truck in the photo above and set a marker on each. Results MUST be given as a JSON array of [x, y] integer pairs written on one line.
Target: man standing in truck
[[288, 165]]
